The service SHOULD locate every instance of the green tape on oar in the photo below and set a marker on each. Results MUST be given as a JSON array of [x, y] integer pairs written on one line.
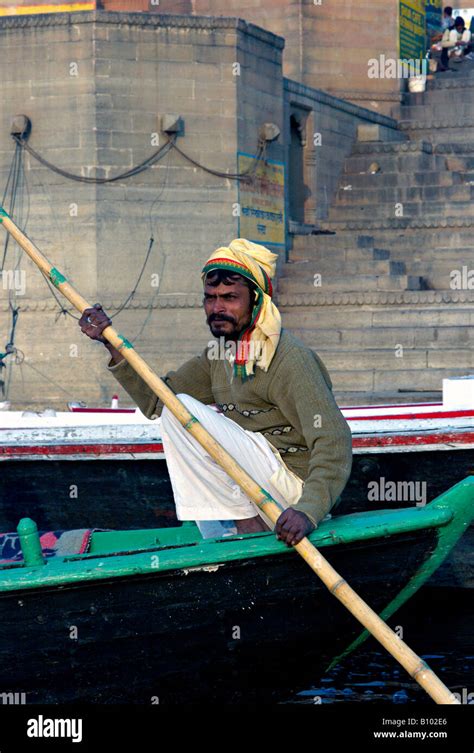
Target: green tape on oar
[[192, 420], [3, 214], [268, 498], [56, 277], [125, 343]]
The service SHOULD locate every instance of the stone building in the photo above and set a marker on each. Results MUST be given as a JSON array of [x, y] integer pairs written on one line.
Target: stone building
[[327, 43], [100, 86]]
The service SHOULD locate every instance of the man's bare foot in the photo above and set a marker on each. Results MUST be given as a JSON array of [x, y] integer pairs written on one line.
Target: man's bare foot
[[251, 525]]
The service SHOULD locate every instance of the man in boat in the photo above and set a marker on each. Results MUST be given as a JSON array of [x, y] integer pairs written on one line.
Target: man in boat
[[261, 393]]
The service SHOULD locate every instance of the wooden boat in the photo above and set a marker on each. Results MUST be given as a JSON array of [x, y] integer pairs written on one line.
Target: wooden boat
[[113, 433], [162, 616]]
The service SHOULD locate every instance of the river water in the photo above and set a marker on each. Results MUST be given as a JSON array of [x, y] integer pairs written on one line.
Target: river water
[[438, 624]]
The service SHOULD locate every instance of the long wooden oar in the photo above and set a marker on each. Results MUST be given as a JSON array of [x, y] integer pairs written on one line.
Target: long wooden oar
[[413, 664]]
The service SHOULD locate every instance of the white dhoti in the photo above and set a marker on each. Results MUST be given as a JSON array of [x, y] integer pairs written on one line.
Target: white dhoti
[[202, 490]]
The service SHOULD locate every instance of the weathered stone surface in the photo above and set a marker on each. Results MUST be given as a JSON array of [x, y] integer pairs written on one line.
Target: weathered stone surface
[[328, 44], [130, 69]]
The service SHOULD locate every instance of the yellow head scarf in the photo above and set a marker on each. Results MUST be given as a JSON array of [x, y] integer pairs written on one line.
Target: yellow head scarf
[[257, 344]]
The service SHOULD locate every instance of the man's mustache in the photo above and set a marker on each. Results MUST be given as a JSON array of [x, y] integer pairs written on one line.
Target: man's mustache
[[220, 318]]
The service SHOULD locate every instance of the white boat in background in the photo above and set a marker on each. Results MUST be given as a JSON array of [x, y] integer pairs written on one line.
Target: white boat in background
[[415, 427], [84, 433], [79, 434], [419, 443]]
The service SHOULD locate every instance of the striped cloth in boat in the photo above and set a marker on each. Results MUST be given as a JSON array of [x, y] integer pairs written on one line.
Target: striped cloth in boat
[[53, 544]]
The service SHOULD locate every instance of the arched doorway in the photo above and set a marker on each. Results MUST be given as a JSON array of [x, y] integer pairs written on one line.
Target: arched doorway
[[296, 169]]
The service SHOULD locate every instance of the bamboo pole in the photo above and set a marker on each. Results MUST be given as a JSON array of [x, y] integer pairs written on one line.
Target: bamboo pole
[[412, 663]]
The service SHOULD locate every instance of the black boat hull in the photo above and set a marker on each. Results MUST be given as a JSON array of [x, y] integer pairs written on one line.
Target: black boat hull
[[219, 634], [79, 494]]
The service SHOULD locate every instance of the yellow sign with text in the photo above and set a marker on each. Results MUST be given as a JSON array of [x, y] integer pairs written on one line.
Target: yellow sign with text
[[262, 200], [412, 29]]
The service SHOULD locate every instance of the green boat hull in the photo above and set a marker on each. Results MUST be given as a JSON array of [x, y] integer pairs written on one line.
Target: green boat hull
[[162, 614]]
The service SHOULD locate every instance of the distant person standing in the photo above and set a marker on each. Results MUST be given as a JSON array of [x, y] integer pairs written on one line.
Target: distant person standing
[[447, 23], [447, 20]]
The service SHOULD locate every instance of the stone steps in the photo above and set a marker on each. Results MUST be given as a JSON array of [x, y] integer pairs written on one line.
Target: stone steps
[[363, 242], [378, 380], [454, 148], [445, 238], [440, 254], [451, 278], [349, 282], [396, 358], [432, 338], [450, 113], [376, 181], [411, 210], [444, 112], [460, 161], [438, 130], [386, 281], [392, 147], [464, 73], [306, 268], [361, 348], [320, 254], [384, 359], [439, 98], [407, 223], [441, 257], [460, 192], [439, 241], [420, 257], [445, 274], [308, 311], [393, 163], [467, 177], [371, 359]]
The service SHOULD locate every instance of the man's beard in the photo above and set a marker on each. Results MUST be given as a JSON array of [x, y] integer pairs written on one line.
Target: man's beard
[[214, 323]]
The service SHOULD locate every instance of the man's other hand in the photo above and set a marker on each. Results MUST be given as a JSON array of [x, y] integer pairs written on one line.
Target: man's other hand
[[292, 526]]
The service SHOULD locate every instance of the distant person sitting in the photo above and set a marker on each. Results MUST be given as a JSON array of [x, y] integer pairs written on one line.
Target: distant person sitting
[[456, 43]]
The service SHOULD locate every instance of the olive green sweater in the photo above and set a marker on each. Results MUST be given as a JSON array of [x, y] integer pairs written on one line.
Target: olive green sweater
[[291, 404]]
